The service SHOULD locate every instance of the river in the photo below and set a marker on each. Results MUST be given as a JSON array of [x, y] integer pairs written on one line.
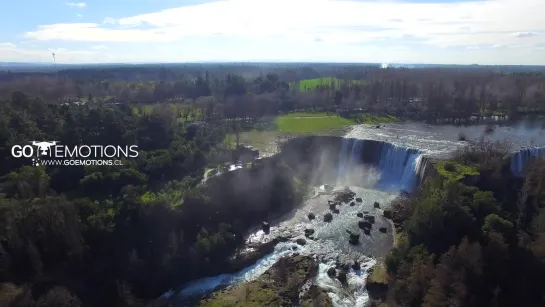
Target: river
[[397, 169]]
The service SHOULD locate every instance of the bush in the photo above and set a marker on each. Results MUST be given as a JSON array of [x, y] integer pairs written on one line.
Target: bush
[[58, 297], [449, 167]]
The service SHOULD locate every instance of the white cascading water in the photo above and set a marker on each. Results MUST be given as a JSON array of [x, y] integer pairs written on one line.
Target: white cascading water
[[204, 285], [400, 167], [354, 294], [520, 159]]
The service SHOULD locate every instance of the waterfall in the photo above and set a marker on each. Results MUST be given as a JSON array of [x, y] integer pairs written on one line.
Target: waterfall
[[520, 159], [398, 167], [343, 161], [421, 165], [401, 168]]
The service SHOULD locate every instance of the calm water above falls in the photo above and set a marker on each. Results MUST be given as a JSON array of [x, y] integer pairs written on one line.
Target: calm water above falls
[[442, 139]]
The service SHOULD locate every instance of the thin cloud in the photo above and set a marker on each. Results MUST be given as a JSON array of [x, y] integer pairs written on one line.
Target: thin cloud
[[109, 20], [99, 47], [7, 45], [79, 15], [524, 34], [76, 4]]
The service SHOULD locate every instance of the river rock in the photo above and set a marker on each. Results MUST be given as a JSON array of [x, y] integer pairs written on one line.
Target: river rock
[[369, 218], [336, 211], [342, 277], [266, 227], [282, 239], [332, 206], [309, 232], [364, 224], [354, 237], [301, 241], [358, 199], [376, 204], [328, 217], [387, 214], [331, 272], [352, 204], [344, 196], [360, 214], [356, 266], [365, 212], [367, 231], [383, 229]]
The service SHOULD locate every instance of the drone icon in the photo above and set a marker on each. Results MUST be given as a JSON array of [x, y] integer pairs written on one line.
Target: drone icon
[[44, 146]]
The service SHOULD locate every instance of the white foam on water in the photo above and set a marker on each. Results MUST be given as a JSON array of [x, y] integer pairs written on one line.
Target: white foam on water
[[250, 273], [353, 294]]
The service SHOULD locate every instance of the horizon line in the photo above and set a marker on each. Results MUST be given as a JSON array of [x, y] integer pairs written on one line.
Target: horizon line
[[2, 63]]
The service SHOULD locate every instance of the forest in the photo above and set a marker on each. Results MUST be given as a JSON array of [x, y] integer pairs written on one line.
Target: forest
[[476, 241], [103, 233], [121, 236], [246, 91]]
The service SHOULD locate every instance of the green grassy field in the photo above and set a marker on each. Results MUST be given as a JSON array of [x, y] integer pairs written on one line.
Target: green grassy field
[[310, 122], [375, 119], [183, 111], [310, 84]]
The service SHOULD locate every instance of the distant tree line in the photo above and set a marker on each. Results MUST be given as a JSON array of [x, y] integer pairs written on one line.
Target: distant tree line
[[428, 93]]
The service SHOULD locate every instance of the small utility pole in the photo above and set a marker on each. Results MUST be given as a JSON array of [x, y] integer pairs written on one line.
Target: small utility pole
[[55, 66]]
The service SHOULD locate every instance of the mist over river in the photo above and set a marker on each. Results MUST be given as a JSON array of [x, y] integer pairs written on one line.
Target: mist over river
[[397, 162]]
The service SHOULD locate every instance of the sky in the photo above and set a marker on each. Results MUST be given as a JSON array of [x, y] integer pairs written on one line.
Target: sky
[[379, 31]]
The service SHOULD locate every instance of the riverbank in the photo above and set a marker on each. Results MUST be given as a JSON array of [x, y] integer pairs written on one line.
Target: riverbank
[[281, 285]]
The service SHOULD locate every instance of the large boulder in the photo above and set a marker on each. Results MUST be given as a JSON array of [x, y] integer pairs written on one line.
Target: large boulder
[[387, 214], [309, 232], [364, 224], [331, 272], [360, 214], [342, 277], [328, 217], [354, 237], [344, 196], [301, 241], [356, 266], [311, 216], [369, 218], [266, 227]]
